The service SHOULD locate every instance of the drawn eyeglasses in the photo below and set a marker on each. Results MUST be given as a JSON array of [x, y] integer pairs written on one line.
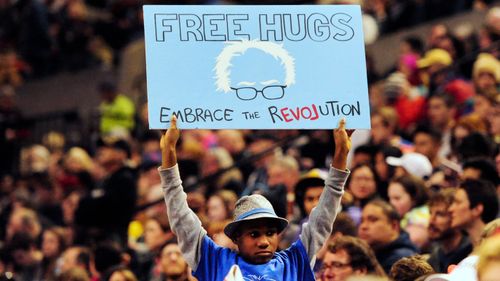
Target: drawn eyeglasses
[[273, 92]]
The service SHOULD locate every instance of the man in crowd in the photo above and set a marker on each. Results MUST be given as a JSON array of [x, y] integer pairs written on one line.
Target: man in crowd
[[104, 214], [380, 228], [347, 256], [475, 204], [173, 266], [450, 244]]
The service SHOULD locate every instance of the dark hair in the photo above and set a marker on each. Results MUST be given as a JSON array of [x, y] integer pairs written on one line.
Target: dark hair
[[484, 193], [387, 151], [107, 86], [475, 145], [107, 255], [415, 187], [415, 43], [410, 268], [361, 256], [486, 166], [428, 130], [83, 257], [449, 100], [388, 210], [162, 221], [344, 224], [21, 241], [366, 149]]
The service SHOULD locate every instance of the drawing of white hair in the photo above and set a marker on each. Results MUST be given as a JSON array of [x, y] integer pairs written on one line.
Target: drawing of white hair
[[233, 49]]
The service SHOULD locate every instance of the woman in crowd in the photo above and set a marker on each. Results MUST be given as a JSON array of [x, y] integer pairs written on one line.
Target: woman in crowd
[[408, 196], [54, 242], [361, 188]]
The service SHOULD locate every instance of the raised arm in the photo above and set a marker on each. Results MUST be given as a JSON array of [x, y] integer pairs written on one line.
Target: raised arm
[[183, 221], [318, 228]]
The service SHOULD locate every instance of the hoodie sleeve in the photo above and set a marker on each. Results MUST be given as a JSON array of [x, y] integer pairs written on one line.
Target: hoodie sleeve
[[183, 221], [320, 224]]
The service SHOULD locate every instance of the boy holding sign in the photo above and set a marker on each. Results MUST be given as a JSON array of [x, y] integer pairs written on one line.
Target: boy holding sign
[[256, 227]]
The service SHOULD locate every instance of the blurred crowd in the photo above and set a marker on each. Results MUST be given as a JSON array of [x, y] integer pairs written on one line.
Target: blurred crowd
[[39, 38], [422, 195]]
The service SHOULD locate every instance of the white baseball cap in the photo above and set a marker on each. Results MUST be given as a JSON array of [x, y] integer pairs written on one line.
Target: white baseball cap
[[414, 163]]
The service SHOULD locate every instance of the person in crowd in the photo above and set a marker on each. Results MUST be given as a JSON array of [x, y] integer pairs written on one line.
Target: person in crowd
[[156, 234], [484, 103], [385, 172], [215, 230], [255, 227], [384, 124], [75, 257], [467, 269], [411, 164], [26, 257], [409, 196], [450, 244], [408, 101], [380, 228], [307, 193], [173, 267], [361, 188], [363, 154], [54, 242], [465, 126], [77, 171], [343, 226], [106, 257], [486, 73], [117, 110], [475, 204], [220, 205], [107, 210], [261, 145], [441, 112], [214, 160], [410, 268], [234, 143], [120, 273], [428, 141], [475, 145], [349, 256], [23, 220], [480, 168], [284, 173]]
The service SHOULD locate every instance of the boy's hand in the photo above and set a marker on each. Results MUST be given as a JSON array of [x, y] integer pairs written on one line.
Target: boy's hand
[[342, 145], [167, 144]]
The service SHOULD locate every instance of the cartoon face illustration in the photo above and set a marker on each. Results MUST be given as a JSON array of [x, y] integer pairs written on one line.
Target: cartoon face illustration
[[272, 59]]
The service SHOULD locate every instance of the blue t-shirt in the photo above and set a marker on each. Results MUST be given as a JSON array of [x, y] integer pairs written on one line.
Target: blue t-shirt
[[287, 265]]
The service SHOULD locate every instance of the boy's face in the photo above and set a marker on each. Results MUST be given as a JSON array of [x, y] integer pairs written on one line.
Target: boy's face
[[257, 241]]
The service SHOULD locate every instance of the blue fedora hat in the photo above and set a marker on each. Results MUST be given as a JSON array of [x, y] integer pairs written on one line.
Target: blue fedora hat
[[250, 208]]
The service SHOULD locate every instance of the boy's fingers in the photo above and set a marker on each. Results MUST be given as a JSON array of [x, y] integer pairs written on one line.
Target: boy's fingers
[[173, 121], [342, 124]]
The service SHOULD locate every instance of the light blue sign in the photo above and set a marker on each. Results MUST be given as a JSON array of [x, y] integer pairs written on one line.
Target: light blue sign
[[256, 67]]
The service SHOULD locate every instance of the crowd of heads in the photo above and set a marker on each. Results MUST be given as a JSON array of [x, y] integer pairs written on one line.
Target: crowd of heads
[[422, 194]]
